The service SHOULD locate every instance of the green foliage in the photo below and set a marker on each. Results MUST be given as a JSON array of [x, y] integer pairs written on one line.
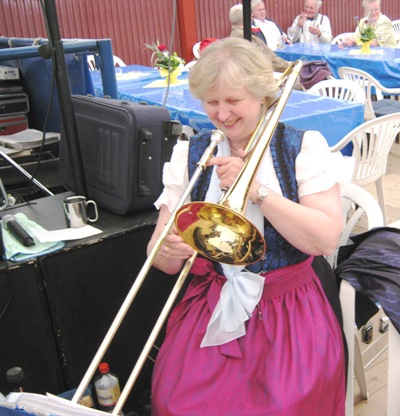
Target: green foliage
[[367, 31], [161, 58]]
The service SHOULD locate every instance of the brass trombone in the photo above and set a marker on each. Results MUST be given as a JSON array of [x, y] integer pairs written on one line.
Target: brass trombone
[[245, 244], [220, 232]]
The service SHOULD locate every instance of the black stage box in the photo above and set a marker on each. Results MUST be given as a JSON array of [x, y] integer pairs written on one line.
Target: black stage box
[[83, 287], [11, 104], [13, 124], [26, 335]]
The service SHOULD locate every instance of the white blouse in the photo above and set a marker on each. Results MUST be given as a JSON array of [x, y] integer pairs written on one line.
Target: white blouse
[[317, 170]]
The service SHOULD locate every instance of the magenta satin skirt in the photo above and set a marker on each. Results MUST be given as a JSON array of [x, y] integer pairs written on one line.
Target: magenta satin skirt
[[289, 363]]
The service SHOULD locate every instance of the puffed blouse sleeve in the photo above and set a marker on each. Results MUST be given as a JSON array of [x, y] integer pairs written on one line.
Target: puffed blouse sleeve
[[317, 168], [175, 176]]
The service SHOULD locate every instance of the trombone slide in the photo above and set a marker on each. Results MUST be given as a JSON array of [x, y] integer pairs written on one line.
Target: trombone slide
[[216, 137]]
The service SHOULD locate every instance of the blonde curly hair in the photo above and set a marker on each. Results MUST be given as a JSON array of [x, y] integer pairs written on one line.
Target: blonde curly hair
[[233, 63]]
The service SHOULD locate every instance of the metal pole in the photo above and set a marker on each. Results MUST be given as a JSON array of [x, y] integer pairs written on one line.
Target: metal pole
[[23, 171], [64, 94], [247, 19]]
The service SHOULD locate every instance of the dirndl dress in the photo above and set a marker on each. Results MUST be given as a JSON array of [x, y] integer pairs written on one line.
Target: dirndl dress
[[290, 362]]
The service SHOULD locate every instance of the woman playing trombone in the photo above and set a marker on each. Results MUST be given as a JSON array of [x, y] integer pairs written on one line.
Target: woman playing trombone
[[262, 339]]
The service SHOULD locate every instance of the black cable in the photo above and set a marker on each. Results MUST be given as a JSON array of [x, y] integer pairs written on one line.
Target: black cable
[[7, 277], [8, 301]]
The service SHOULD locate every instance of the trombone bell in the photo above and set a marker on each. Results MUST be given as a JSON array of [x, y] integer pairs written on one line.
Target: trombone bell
[[220, 234]]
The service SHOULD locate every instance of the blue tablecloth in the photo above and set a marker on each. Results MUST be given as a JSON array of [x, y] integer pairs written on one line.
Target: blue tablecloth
[[305, 51], [333, 118], [383, 65]]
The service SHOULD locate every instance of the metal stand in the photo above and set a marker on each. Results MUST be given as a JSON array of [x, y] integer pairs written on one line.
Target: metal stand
[[24, 172]]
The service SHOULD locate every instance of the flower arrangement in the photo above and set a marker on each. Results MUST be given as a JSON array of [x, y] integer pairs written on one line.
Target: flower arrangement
[[161, 58], [366, 30]]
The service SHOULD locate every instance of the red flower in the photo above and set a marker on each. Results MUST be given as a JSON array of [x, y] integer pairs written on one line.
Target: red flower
[[255, 29], [162, 48]]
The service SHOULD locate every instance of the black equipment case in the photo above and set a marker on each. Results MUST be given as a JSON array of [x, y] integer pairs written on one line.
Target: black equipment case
[[11, 104], [13, 124], [124, 146]]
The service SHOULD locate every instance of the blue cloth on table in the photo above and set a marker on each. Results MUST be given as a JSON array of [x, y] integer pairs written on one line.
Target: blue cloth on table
[[15, 251]]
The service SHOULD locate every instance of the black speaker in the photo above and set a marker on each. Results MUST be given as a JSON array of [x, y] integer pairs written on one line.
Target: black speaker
[[26, 337], [86, 288]]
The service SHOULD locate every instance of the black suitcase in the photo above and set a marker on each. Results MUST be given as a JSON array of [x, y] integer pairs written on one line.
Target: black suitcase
[[124, 147], [17, 103]]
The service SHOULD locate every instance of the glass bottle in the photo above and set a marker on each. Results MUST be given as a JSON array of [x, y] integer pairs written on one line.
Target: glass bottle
[[16, 379]]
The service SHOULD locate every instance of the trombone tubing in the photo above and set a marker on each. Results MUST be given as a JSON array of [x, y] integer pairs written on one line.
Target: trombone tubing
[[216, 138], [237, 196], [154, 333]]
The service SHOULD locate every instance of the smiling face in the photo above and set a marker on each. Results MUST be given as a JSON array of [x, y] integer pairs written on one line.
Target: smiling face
[[259, 12], [311, 8], [235, 111], [372, 11]]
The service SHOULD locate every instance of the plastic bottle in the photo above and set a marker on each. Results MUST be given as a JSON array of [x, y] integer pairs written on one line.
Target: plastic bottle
[[107, 388], [16, 379]]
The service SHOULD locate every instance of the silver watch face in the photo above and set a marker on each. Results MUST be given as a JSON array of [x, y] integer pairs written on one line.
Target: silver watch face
[[262, 192]]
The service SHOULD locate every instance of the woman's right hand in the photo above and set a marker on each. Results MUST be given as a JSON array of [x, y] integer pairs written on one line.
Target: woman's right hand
[[228, 168], [173, 252]]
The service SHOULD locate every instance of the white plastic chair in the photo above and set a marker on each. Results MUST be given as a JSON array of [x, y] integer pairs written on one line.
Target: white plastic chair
[[371, 141], [118, 61], [187, 132], [337, 40], [374, 90], [393, 396], [339, 88], [92, 62], [356, 202], [196, 50], [396, 27]]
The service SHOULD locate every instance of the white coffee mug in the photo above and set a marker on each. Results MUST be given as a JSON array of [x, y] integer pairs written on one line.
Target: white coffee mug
[[75, 209]]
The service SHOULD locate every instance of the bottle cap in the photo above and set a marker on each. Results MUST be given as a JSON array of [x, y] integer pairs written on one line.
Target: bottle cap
[[104, 368], [15, 375]]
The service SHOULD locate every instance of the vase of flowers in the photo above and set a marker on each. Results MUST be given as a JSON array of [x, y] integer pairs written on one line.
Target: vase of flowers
[[367, 33], [366, 47], [169, 65]]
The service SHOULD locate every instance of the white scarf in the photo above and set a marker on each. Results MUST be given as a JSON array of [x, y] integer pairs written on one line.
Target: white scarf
[[243, 289]]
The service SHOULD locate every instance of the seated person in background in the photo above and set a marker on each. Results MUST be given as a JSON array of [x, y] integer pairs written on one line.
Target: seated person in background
[[381, 25], [312, 26], [271, 32], [236, 19]]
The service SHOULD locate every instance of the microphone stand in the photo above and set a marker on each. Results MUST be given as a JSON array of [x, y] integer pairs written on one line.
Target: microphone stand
[[64, 94], [247, 19]]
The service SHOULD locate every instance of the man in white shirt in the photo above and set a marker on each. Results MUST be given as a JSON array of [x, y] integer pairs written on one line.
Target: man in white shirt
[[272, 34], [311, 26]]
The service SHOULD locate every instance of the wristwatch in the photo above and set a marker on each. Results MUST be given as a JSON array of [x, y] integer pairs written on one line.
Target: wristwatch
[[262, 193]]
